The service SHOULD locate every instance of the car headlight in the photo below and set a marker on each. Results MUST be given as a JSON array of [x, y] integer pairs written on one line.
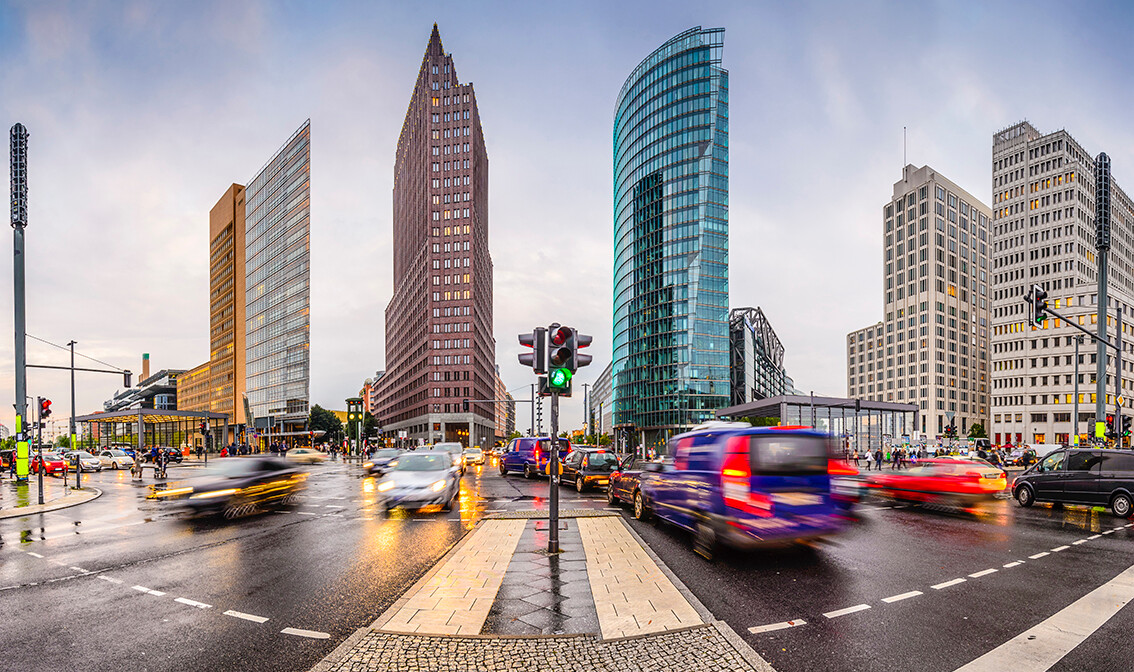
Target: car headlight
[[214, 493], [438, 486], [368, 465], [385, 485]]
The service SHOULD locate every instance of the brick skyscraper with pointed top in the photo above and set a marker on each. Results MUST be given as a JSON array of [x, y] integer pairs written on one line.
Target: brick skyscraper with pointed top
[[439, 344]]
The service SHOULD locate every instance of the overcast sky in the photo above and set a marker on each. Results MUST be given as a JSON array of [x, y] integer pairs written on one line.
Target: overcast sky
[[142, 114]]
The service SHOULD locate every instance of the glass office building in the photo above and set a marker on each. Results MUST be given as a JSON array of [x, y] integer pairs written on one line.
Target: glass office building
[[278, 285], [671, 340]]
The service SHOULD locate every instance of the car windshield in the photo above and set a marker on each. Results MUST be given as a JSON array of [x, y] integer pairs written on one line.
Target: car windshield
[[52, 456], [116, 453], [388, 452], [423, 463], [602, 461]]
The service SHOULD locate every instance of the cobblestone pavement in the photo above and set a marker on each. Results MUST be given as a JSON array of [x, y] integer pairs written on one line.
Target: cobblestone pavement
[[698, 649]]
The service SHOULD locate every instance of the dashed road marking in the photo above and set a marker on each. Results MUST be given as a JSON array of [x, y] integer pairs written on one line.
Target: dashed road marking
[[193, 603], [313, 634], [1037, 556], [334, 506], [1010, 565], [1059, 548], [143, 589], [307, 513], [848, 610], [948, 583], [1076, 543], [247, 617], [1120, 527], [80, 569], [34, 555], [903, 596], [983, 572], [1108, 531], [109, 579], [771, 627], [1094, 536]]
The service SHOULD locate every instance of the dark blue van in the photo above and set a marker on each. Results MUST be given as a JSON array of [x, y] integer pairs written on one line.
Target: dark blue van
[[528, 455], [739, 485]]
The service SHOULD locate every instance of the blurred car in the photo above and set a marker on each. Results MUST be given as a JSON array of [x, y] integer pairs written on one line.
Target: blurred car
[[529, 455], [419, 479], [83, 460], [306, 456], [6, 457], [52, 463], [473, 456], [455, 451], [382, 460], [586, 467], [846, 483], [953, 480], [115, 459], [624, 481], [236, 486]]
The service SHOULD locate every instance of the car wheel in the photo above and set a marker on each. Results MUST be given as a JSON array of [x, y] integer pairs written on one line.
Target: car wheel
[[528, 471], [503, 469], [580, 484], [1024, 496], [705, 538], [611, 498], [640, 510], [1121, 505]]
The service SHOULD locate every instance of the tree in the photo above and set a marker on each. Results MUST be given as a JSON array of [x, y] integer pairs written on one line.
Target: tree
[[604, 440], [63, 441], [760, 421], [977, 431], [513, 435], [327, 421]]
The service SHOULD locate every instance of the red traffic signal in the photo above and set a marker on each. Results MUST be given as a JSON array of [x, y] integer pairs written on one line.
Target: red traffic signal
[[559, 347], [44, 408], [537, 340]]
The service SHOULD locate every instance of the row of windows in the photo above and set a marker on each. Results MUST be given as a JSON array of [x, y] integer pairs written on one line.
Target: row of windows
[[451, 231], [451, 116], [450, 296], [451, 247], [450, 359], [450, 343], [455, 213], [451, 165], [451, 149]]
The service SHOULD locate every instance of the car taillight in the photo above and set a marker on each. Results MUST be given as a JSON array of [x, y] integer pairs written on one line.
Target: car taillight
[[615, 474], [536, 454], [736, 475], [839, 468]]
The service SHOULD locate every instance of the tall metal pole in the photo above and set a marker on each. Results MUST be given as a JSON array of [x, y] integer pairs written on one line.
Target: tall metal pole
[[1102, 243], [553, 480], [39, 444], [1118, 376], [19, 165], [1075, 422], [531, 429], [72, 422]]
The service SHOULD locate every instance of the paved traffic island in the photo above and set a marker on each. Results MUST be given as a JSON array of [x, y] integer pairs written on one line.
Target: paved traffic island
[[499, 601], [16, 498]]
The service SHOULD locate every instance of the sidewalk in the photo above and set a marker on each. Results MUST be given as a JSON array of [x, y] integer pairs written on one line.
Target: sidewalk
[[18, 500], [499, 601]]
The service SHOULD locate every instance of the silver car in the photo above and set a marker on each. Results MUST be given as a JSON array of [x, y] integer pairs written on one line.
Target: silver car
[[115, 459], [419, 479], [83, 460]]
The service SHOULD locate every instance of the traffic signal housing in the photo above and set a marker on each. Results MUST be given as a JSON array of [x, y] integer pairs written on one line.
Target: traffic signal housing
[[1037, 300], [537, 358], [44, 408], [1126, 420], [465, 405]]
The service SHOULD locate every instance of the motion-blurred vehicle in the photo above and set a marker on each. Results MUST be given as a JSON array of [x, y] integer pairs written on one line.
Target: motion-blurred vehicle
[[115, 459], [846, 483], [733, 484], [6, 457], [306, 456], [236, 486], [52, 463], [419, 479], [455, 451], [588, 467], [529, 455], [381, 461], [954, 481], [82, 460], [624, 481], [1091, 476], [473, 456]]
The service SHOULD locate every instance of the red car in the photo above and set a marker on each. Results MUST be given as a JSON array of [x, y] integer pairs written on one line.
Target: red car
[[951, 481], [52, 464]]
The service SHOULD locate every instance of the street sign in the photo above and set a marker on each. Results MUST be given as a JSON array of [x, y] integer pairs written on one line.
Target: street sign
[[1121, 401]]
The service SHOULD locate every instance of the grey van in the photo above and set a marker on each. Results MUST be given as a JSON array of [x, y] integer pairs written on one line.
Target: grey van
[[1092, 476]]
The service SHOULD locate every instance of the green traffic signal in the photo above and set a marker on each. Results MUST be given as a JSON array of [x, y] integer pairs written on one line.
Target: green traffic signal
[[559, 379]]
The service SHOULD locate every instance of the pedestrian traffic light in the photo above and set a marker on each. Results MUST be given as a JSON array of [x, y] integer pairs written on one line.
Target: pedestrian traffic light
[[537, 340], [204, 427], [465, 405], [44, 408], [1037, 300], [126, 376], [1110, 433], [1126, 420], [559, 380]]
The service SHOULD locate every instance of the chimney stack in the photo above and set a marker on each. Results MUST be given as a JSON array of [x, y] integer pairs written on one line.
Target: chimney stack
[[145, 366]]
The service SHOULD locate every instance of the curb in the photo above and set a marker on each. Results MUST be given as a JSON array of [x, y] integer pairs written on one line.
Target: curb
[[89, 494]]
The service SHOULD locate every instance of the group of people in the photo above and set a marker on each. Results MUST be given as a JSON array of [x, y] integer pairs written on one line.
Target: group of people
[[896, 457]]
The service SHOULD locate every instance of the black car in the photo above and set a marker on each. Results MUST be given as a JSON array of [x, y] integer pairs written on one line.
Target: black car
[[236, 486], [587, 467], [1092, 476], [625, 481], [172, 455]]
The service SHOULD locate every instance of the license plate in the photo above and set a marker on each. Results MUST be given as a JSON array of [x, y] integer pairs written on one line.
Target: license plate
[[603, 481], [796, 498]]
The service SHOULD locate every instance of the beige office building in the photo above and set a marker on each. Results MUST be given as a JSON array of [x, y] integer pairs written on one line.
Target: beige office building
[[1044, 234], [931, 348]]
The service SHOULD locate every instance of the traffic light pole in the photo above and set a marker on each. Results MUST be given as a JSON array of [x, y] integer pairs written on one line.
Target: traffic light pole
[[553, 479], [1118, 376], [18, 152], [39, 444], [72, 423], [1075, 425]]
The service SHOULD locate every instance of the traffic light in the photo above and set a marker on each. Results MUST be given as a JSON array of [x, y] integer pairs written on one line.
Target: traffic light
[[560, 343], [44, 408], [1126, 419], [465, 405], [204, 427], [559, 380], [1037, 300], [537, 340], [126, 375], [1110, 426]]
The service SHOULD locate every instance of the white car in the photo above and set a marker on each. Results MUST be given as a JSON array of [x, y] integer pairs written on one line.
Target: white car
[[115, 459], [306, 456]]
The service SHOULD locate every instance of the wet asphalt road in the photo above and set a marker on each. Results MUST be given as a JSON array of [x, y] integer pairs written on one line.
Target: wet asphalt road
[[71, 580]]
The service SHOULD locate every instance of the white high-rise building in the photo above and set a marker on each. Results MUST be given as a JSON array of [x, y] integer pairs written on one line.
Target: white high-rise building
[[931, 349], [1044, 234]]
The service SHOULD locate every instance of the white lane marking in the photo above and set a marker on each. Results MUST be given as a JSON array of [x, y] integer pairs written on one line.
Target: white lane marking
[[1108, 531], [247, 617], [307, 513], [278, 511], [1094, 536], [1010, 565], [313, 634], [80, 569], [1059, 548], [1037, 556], [34, 555], [1076, 543], [1044, 645], [983, 572], [903, 596], [848, 610], [1129, 525], [771, 627], [143, 589], [948, 583], [334, 506], [193, 603], [111, 579], [1120, 527]]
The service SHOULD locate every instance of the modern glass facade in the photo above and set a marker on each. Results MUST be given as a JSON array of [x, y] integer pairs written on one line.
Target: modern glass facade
[[671, 340], [278, 281], [757, 357]]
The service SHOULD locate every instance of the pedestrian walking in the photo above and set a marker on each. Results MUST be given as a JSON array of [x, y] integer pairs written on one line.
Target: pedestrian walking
[[869, 459], [878, 459]]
